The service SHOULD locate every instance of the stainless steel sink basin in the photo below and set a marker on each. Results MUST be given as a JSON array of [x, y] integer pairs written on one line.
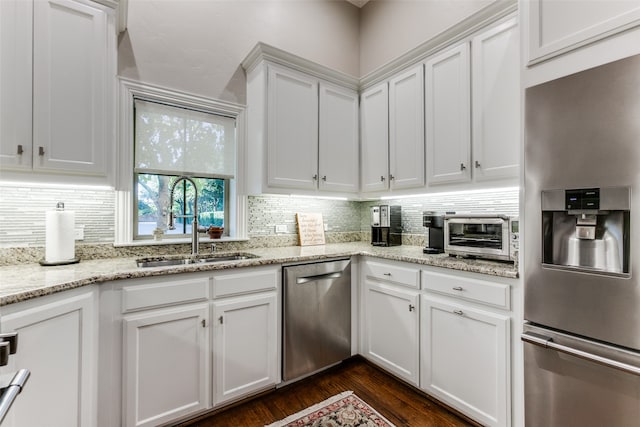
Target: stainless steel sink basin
[[192, 259]]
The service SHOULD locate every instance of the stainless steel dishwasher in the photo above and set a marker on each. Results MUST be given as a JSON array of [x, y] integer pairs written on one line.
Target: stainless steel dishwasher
[[316, 317]]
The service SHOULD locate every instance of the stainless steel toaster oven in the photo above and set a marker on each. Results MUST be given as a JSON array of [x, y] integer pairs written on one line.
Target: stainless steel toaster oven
[[482, 236]]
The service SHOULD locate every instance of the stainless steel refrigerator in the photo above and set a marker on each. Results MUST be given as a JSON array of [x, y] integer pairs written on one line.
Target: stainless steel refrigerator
[[582, 239]]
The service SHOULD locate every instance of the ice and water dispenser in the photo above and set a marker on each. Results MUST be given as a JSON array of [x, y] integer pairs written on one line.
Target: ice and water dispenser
[[587, 229]]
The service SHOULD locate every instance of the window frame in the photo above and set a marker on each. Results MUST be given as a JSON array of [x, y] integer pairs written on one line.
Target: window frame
[[129, 90]]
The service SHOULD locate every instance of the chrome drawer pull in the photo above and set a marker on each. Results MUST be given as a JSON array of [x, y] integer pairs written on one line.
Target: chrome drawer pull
[[458, 312], [458, 288]]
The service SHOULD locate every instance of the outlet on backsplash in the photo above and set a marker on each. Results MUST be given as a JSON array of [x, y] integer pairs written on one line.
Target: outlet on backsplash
[[79, 232]]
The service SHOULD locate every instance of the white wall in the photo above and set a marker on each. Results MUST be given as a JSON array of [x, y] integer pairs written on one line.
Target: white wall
[[197, 45], [389, 28]]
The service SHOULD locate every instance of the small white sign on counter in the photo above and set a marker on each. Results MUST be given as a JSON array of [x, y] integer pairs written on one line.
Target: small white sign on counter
[[310, 229]]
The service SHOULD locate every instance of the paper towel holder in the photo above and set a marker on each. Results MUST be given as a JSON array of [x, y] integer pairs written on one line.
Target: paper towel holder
[[45, 263]]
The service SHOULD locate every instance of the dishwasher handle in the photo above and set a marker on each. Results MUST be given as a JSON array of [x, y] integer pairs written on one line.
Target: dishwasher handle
[[547, 342], [307, 279]]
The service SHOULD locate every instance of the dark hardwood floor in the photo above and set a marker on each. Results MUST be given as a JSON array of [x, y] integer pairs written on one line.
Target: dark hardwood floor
[[399, 403]]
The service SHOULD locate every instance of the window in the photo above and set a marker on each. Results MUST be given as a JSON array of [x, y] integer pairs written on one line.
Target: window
[[172, 141]]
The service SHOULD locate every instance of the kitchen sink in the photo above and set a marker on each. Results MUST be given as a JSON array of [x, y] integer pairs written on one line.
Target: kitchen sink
[[192, 259]]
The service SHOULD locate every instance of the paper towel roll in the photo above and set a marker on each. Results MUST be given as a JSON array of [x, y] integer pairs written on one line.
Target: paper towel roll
[[59, 237]]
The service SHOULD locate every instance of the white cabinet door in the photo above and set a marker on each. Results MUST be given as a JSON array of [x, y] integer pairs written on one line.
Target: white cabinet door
[[245, 345], [391, 329], [292, 121], [338, 145], [16, 20], [166, 364], [56, 342], [448, 116], [465, 359], [557, 27], [406, 129], [374, 128], [70, 87], [496, 102]]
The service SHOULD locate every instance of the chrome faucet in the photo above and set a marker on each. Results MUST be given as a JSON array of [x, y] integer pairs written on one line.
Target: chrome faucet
[[194, 224]]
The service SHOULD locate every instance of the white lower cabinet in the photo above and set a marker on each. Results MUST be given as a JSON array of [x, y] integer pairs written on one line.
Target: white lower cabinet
[[57, 343], [190, 342], [166, 369], [391, 319], [245, 345], [465, 359]]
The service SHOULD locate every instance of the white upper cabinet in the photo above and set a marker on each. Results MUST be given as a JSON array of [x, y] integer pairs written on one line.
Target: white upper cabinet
[[479, 83], [496, 102], [69, 87], [374, 125], [16, 24], [292, 154], [447, 95], [65, 125], [303, 134], [557, 27], [338, 144], [392, 126], [406, 129]]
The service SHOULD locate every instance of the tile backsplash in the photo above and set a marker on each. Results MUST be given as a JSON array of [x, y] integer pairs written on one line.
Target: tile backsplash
[[22, 215]]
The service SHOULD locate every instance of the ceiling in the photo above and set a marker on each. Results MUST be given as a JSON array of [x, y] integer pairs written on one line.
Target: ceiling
[[358, 3]]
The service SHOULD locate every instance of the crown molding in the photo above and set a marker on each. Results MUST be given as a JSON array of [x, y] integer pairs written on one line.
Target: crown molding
[[452, 35], [457, 33], [264, 52]]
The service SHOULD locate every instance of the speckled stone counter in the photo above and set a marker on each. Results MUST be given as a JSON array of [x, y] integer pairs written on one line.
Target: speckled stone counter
[[24, 282]]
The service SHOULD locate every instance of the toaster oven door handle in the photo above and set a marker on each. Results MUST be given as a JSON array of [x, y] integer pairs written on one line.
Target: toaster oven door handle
[[478, 220]]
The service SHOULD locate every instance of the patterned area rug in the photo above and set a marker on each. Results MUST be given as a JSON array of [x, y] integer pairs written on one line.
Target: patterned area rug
[[344, 409]]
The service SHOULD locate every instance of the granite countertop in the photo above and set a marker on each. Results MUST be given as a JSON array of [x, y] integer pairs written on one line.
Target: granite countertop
[[24, 282]]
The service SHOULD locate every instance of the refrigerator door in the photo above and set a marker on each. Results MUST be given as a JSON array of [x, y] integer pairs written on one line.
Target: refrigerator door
[[583, 131], [571, 381]]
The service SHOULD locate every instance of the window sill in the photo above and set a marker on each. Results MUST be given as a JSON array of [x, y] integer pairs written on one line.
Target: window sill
[[178, 241]]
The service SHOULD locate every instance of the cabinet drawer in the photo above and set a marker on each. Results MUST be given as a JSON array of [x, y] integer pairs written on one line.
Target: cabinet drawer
[[395, 273], [496, 294], [245, 281], [138, 297]]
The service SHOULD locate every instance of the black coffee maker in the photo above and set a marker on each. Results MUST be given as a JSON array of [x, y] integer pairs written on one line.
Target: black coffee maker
[[435, 232]]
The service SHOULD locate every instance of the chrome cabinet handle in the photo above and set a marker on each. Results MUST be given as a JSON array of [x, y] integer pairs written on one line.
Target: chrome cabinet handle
[[458, 288], [20, 150], [221, 320], [412, 307], [381, 178], [462, 166], [477, 164], [204, 323], [40, 151], [391, 177], [324, 178], [315, 177], [547, 342], [458, 312], [386, 274]]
